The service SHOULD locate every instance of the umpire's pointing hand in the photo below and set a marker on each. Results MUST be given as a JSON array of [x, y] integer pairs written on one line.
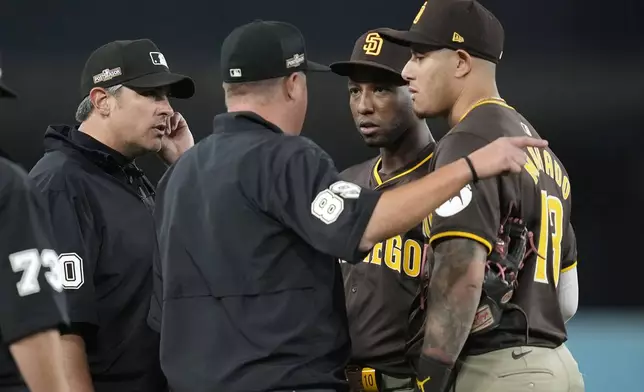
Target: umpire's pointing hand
[[505, 154]]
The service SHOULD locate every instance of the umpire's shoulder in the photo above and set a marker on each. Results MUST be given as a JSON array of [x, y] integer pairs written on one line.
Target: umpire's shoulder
[[54, 172], [301, 144], [281, 150], [13, 177]]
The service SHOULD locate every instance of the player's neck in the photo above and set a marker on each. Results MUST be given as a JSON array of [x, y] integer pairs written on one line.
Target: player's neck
[[406, 149], [469, 98]]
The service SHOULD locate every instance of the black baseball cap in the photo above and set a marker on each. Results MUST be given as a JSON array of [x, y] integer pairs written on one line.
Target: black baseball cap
[[263, 50], [137, 64], [5, 92], [371, 50], [453, 24]]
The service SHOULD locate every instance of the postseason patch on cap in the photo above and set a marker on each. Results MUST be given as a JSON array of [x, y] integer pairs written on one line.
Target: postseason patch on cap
[[295, 61], [107, 74]]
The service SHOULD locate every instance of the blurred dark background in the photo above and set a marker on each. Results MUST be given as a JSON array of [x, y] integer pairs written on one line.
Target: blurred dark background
[[575, 69]]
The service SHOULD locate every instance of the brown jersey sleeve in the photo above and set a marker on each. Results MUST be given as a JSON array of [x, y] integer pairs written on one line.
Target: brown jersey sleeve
[[474, 213], [569, 259]]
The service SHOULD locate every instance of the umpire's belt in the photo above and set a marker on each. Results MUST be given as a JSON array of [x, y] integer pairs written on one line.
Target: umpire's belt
[[364, 379]]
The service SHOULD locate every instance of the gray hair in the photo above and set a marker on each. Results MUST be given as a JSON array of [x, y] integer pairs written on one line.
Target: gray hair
[[86, 107]]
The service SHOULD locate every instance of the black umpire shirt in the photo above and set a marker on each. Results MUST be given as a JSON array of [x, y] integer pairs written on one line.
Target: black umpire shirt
[[249, 223], [101, 207], [31, 298]]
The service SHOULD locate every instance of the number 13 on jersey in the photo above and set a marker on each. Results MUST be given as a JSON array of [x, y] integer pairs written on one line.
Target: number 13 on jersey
[[550, 236]]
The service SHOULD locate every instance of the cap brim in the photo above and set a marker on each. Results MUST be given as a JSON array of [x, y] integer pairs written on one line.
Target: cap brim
[[6, 92], [406, 38], [180, 86], [312, 66], [348, 68]]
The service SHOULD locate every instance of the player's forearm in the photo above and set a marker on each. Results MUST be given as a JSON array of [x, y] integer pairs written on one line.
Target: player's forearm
[[400, 209], [39, 360], [76, 366], [454, 295]]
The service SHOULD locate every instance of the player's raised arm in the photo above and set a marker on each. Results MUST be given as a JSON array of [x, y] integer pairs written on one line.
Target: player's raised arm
[[402, 208]]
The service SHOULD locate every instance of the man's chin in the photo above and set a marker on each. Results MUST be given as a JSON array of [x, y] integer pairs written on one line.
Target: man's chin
[[155, 146], [423, 111], [375, 141]]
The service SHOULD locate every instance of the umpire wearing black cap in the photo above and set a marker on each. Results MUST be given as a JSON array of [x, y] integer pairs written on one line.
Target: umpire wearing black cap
[[101, 206], [251, 222], [497, 321], [32, 307], [380, 291]]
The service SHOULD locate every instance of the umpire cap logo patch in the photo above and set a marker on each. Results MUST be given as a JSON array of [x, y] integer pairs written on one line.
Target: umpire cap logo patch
[[295, 61], [106, 75], [456, 204], [158, 59]]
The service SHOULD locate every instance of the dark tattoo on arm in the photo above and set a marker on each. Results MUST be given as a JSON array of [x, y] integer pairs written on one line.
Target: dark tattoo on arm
[[454, 295]]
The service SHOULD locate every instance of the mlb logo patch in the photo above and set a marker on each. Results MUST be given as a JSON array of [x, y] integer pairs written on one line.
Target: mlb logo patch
[[158, 59]]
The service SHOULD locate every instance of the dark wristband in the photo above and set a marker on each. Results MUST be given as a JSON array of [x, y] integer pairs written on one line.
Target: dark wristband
[[475, 177], [432, 374]]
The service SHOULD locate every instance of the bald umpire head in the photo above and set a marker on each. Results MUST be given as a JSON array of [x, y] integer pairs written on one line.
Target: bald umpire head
[[264, 66]]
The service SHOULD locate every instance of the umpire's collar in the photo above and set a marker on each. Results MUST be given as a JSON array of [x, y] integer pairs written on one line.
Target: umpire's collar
[[242, 121]]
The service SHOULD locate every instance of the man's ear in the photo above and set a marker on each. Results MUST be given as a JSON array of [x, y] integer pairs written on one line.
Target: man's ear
[[99, 99], [290, 86], [464, 64]]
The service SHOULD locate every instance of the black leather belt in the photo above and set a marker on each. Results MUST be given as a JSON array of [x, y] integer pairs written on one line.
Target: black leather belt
[[365, 379]]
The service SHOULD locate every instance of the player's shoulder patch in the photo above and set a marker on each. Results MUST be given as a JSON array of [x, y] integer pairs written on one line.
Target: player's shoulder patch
[[456, 204]]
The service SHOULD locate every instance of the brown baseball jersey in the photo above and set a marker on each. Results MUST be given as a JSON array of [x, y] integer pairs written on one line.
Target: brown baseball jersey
[[541, 195], [379, 291]]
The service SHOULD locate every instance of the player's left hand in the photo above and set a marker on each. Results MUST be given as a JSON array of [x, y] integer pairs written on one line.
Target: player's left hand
[[177, 140]]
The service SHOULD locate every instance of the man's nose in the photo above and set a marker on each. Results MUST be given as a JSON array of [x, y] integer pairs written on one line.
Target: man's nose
[[164, 107], [407, 72], [365, 105]]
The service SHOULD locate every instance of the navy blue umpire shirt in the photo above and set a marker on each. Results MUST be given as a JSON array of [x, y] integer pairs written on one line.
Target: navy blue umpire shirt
[[250, 224]]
